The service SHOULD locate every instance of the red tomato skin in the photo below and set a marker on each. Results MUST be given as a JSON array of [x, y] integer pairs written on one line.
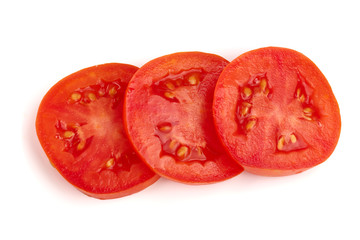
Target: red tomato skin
[[143, 113], [123, 193], [252, 154], [54, 101]]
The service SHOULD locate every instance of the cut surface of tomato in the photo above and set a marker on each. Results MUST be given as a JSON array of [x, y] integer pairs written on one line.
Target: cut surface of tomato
[[275, 112], [80, 127], [168, 118]]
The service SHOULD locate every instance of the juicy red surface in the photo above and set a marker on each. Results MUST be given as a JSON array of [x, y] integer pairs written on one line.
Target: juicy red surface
[[167, 111], [80, 127], [297, 118]]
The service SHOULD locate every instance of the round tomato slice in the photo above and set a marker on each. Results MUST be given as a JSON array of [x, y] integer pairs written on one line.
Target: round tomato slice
[[275, 112], [80, 127], [168, 118]]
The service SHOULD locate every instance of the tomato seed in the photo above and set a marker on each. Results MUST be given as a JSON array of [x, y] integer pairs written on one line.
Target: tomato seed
[[68, 134], [92, 96], [302, 98], [112, 91], [81, 145], [76, 96], [165, 129], [101, 92], [170, 85], [250, 124], [110, 163], [247, 91], [245, 109], [263, 84], [182, 152], [193, 80], [172, 144], [169, 95], [308, 111], [293, 138], [280, 143]]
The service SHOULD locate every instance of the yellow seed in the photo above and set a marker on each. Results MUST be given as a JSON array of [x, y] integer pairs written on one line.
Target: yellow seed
[[293, 138], [245, 109], [172, 144], [112, 91], [302, 98], [169, 95], [170, 85], [110, 163], [308, 110], [92, 96], [199, 151], [247, 91], [280, 143], [165, 128], [263, 84], [182, 151], [308, 113], [298, 91], [81, 145], [76, 96], [250, 124], [193, 80], [101, 92], [68, 134]]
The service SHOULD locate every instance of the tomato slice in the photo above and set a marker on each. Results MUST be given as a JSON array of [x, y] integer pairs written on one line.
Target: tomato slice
[[168, 118], [275, 112], [79, 125]]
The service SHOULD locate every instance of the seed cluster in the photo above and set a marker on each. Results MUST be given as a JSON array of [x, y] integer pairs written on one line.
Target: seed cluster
[[167, 87], [120, 162], [290, 142], [303, 95], [113, 90], [258, 85], [75, 144], [172, 147], [69, 133]]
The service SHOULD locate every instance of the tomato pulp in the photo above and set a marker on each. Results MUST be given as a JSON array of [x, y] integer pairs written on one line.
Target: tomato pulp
[[275, 112], [168, 118], [79, 125]]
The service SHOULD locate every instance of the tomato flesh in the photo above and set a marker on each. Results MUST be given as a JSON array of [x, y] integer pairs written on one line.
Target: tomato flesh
[[80, 127], [168, 118], [275, 112]]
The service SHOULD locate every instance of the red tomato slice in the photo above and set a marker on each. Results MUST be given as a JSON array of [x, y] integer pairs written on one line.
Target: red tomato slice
[[168, 118], [79, 125], [275, 112]]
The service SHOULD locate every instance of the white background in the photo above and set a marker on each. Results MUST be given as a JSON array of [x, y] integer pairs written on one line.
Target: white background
[[43, 41]]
